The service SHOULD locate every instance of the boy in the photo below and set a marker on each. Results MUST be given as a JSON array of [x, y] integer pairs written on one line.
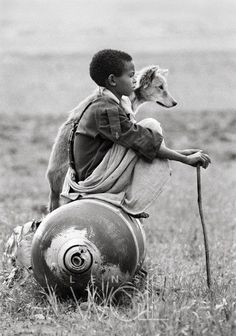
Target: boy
[[111, 151]]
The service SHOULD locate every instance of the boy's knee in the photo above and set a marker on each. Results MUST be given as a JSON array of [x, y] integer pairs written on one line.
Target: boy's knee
[[151, 123]]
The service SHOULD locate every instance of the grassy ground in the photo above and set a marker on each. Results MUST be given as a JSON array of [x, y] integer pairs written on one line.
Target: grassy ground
[[175, 244]]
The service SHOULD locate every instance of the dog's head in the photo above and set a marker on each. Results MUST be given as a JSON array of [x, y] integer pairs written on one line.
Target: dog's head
[[151, 85]]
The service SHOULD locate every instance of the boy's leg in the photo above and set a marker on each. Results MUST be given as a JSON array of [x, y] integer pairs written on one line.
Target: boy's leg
[[148, 179], [151, 123]]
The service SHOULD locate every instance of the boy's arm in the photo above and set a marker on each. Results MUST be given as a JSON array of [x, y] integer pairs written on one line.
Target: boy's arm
[[113, 124], [192, 159], [148, 144], [188, 151]]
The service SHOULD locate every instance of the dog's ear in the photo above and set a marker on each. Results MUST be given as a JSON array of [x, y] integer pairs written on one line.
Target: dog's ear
[[145, 76], [163, 72]]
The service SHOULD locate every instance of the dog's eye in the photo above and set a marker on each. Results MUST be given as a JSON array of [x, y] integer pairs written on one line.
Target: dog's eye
[[161, 87]]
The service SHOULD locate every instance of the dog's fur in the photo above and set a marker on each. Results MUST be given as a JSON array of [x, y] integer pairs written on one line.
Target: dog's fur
[[151, 85]]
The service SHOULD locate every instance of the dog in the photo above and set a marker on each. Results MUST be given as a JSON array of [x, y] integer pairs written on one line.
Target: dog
[[151, 86]]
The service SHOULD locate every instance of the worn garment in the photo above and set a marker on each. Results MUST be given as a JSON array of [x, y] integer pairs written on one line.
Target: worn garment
[[122, 178], [104, 123]]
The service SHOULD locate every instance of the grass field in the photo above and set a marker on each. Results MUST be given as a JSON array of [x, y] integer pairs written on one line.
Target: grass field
[[43, 78], [174, 236]]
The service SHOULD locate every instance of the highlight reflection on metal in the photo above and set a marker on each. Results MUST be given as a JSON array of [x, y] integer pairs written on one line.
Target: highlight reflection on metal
[[87, 238]]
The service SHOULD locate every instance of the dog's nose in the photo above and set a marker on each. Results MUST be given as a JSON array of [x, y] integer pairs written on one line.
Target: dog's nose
[[175, 103]]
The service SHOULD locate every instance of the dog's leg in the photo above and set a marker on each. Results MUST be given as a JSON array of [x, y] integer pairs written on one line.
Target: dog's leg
[[58, 165], [55, 179]]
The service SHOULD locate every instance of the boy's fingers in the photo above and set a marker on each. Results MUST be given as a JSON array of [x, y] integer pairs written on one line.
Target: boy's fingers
[[202, 159], [206, 157], [205, 162], [209, 159]]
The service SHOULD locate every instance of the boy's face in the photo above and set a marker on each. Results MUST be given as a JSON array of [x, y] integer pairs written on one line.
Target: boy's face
[[125, 84]]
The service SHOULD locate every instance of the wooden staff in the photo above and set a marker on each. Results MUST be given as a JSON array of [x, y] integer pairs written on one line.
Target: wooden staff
[[203, 226]]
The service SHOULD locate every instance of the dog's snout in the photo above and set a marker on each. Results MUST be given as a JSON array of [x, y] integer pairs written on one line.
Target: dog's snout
[[175, 103]]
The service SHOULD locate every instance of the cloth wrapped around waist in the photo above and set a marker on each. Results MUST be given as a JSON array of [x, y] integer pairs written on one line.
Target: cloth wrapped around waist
[[122, 179]]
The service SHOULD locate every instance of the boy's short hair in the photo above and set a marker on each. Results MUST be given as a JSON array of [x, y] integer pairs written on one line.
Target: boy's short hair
[[106, 62]]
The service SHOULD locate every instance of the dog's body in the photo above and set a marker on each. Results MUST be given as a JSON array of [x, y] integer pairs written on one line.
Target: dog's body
[[151, 86]]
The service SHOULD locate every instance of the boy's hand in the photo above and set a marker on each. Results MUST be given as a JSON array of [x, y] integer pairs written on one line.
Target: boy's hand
[[198, 158]]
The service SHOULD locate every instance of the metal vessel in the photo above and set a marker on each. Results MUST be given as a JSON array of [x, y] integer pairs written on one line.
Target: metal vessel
[[87, 239]]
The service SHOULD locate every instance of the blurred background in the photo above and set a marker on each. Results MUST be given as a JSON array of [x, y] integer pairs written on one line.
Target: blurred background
[[46, 47]]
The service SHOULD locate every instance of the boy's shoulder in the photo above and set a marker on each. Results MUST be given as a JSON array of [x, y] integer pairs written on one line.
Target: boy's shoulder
[[104, 100], [101, 103], [92, 105]]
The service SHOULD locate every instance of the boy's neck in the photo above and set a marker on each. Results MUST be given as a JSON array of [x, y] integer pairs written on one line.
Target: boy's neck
[[118, 96]]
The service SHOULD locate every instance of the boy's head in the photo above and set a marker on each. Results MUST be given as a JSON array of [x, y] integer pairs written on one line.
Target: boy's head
[[114, 70]]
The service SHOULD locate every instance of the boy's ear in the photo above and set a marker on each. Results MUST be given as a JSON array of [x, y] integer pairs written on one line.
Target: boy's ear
[[111, 80]]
